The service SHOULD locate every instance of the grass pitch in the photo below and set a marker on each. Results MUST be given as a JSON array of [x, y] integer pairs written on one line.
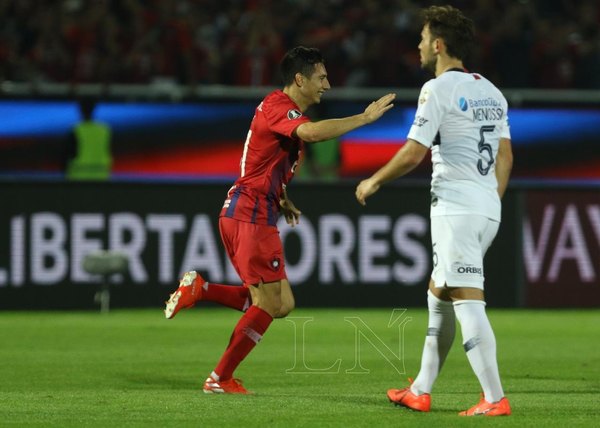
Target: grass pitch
[[322, 368]]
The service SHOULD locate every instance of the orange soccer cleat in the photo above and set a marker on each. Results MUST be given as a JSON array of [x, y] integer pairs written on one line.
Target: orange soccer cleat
[[189, 292], [483, 408], [229, 386], [406, 398]]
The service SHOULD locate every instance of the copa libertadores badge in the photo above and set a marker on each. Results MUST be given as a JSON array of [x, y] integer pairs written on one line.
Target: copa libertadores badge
[[293, 114]]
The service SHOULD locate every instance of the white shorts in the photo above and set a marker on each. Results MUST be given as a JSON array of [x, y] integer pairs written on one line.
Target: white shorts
[[459, 245]]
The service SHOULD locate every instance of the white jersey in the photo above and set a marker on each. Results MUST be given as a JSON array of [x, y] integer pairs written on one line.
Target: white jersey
[[461, 117]]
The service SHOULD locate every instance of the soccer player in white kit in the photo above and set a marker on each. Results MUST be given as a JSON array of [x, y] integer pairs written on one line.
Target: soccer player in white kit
[[462, 118]]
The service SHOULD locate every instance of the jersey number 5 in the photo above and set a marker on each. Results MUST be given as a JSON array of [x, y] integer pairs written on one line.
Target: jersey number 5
[[485, 147]]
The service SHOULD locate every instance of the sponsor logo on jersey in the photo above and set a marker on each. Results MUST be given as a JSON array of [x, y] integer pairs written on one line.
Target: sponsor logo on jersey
[[420, 121], [485, 102], [484, 109], [423, 97], [293, 114], [465, 268]]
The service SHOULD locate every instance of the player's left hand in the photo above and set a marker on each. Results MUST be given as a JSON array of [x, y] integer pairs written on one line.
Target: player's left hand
[[365, 189], [290, 212]]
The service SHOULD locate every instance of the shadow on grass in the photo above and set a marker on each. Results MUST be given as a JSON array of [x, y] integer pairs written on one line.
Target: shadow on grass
[[157, 381]]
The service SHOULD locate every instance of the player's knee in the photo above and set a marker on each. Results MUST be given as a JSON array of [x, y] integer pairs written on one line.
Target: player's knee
[[270, 306], [285, 309]]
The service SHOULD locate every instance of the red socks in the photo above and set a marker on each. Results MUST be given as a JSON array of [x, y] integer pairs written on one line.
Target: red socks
[[236, 297], [247, 333]]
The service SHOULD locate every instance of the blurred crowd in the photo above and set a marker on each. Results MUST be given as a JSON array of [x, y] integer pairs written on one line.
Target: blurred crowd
[[520, 43]]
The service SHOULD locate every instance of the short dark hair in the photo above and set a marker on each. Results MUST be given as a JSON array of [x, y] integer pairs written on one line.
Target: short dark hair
[[449, 23], [299, 60]]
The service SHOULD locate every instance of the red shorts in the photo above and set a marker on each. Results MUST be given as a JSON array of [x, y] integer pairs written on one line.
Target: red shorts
[[255, 250]]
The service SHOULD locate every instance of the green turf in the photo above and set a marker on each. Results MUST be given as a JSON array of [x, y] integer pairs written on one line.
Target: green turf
[[134, 368]]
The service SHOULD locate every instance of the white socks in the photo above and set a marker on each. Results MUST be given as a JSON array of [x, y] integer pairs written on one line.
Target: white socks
[[478, 341], [440, 335], [480, 345]]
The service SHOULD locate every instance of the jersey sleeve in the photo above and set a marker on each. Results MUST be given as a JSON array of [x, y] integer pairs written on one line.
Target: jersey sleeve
[[428, 116], [284, 118], [505, 130]]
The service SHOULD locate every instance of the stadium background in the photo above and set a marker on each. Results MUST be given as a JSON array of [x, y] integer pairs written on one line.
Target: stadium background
[[178, 82]]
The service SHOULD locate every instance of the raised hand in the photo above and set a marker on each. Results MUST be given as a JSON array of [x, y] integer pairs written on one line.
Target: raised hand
[[377, 108]]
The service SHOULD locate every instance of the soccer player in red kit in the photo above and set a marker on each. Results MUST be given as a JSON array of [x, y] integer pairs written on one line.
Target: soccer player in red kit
[[248, 220]]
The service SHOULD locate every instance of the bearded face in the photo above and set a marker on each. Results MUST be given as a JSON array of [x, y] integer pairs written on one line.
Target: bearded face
[[427, 52]]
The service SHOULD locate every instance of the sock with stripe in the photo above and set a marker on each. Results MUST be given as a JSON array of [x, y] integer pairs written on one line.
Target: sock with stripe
[[440, 335], [247, 333], [480, 345]]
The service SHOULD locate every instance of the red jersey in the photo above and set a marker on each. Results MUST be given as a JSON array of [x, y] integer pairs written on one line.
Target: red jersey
[[268, 162]]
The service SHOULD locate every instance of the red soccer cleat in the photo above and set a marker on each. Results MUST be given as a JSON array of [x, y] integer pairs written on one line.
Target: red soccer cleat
[[483, 408], [229, 386], [189, 292], [406, 398]]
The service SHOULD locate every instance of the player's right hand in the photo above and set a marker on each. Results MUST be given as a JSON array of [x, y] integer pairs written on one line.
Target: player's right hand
[[365, 189], [377, 108], [290, 212]]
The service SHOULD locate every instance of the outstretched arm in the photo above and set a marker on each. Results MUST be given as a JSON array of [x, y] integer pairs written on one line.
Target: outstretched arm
[[404, 161], [312, 132]]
